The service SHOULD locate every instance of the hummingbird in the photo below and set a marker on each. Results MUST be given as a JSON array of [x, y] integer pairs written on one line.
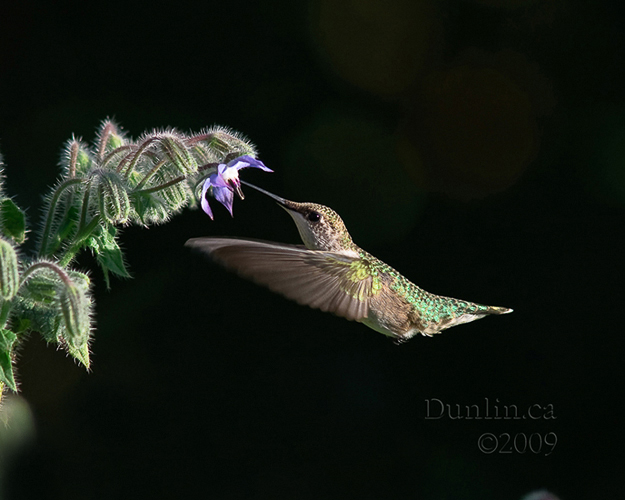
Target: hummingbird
[[331, 273]]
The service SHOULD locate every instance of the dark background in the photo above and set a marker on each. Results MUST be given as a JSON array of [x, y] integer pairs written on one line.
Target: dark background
[[476, 146]]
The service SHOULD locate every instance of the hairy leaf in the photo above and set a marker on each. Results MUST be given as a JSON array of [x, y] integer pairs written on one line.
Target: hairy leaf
[[107, 252], [12, 221], [7, 339]]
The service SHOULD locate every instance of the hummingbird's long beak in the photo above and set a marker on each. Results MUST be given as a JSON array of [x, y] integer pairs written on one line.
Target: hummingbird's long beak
[[281, 201]]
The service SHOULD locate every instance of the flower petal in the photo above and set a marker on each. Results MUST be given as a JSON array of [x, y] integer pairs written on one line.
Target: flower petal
[[204, 202], [225, 181], [217, 179], [246, 161], [225, 196]]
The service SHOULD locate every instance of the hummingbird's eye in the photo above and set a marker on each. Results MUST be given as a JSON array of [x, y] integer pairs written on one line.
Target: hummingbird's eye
[[313, 216]]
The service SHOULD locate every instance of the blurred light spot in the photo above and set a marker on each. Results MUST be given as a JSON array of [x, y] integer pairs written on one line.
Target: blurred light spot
[[350, 163], [475, 123], [506, 4], [17, 426], [540, 495], [377, 45]]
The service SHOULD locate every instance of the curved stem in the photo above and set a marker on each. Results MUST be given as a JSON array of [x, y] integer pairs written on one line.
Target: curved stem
[[5, 309], [207, 166], [84, 229], [160, 186], [47, 265], [51, 209], [150, 174], [201, 137], [135, 159], [79, 240], [85, 207], [115, 152]]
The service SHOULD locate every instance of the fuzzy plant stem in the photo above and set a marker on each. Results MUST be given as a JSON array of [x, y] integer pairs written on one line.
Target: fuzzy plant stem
[[51, 210], [47, 265], [5, 309]]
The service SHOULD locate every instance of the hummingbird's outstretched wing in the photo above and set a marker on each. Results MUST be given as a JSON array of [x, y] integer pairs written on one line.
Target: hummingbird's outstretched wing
[[328, 281]]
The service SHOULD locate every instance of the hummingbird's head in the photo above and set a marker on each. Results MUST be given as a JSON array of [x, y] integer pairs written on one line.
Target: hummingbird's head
[[320, 227]]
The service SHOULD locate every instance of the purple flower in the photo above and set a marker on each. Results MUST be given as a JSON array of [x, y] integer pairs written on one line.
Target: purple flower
[[225, 182]]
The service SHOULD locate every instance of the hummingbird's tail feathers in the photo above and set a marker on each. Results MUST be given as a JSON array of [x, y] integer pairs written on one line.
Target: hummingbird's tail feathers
[[464, 312], [498, 310]]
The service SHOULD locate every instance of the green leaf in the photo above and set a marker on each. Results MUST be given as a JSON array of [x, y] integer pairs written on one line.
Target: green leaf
[[7, 339], [22, 324], [149, 208], [12, 221], [66, 229], [107, 252], [80, 354]]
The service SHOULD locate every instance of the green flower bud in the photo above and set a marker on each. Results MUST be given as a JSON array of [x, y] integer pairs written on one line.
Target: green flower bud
[[9, 274], [115, 141], [173, 146], [217, 142], [56, 302], [75, 306], [112, 196], [109, 138], [175, 196], [83, 161], [76, 159]]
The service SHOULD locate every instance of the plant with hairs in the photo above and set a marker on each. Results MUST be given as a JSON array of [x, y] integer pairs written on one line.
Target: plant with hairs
[[117, 181]]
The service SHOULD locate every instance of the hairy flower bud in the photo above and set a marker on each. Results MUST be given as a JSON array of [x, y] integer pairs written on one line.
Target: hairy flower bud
[[217, 142], [9, 275], [109, 138], [75, 306], [112, 196], [173, 146], [76, 160]]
